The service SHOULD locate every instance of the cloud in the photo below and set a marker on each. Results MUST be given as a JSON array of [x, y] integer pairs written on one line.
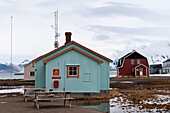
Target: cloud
[[116, 39], [7, 1], [129, 31], [126, 9]]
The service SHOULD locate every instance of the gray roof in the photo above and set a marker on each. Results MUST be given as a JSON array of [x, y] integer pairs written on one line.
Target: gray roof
[[167, 61]]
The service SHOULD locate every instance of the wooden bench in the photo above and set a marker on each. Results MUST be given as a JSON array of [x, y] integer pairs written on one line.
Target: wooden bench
[[36, 101]]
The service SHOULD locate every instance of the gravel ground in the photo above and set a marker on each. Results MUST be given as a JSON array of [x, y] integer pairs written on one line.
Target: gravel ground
[[17, 105]]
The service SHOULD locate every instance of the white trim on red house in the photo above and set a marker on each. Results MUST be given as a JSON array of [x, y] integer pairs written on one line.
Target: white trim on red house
[[140, 65], [124, 59]]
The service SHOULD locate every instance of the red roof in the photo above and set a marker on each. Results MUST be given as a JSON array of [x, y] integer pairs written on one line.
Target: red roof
[[46, 60], [72, 42]]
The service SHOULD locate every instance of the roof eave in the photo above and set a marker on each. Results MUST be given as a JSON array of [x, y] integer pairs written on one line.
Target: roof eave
[[69, 44], [46, 60]]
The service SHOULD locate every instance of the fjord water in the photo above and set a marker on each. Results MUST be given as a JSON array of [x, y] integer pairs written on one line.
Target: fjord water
[[8, 76]]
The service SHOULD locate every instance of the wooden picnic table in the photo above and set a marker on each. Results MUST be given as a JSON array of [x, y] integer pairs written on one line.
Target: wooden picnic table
[[29, 92], [45, 95]]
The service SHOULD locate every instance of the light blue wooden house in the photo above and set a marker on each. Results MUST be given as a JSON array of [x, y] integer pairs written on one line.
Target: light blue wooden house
[[72, 68]]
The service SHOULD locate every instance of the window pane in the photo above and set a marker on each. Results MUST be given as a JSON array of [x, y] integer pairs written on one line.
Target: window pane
[[70, 73], [132, 61], [31, 73], [74, 68], [70, 68], [138, 61], [75, 73]]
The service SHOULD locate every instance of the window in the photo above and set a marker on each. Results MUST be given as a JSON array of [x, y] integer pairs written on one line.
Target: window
[[132, 61], [32, 73], [87, 77], [141, 69], [73, 71], [138, 61]]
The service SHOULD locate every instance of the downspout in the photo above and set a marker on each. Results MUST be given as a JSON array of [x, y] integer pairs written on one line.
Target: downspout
[[45, 75], [64, 76]]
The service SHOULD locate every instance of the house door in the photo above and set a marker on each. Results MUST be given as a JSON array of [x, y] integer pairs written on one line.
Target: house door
[[141, 71]]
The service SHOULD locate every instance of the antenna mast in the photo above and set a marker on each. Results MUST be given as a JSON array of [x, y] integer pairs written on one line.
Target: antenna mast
[[11, 44], [56, 44]]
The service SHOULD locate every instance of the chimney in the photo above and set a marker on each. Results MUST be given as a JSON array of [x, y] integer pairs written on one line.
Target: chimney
[[68, 37]]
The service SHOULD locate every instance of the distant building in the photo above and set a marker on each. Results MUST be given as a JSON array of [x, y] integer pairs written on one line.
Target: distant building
[[73, 68], [29, 71], [166, 66], [155, 69], [133, 64]]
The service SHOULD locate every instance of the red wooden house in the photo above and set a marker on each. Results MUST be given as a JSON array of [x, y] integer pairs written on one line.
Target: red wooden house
[[133, 64]]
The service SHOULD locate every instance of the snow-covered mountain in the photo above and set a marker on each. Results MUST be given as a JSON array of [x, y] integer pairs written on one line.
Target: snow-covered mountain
[[5, 68], [22, 64], [156, 53]]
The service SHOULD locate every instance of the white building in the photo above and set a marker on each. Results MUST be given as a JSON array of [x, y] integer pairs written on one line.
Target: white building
[[166, 66]]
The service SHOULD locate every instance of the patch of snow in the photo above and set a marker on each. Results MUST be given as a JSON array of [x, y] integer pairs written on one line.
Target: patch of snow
[[127, 82], [20, 90], [159, 75], [113, 73]]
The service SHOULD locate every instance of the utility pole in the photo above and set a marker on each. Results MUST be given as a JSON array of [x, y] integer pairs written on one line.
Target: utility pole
[[56, 44]]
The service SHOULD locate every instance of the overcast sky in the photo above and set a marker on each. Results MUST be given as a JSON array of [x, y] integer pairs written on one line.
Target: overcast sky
[[106, 26]]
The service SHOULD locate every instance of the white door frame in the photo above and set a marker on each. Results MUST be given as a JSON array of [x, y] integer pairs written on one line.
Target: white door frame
[[141, 71]]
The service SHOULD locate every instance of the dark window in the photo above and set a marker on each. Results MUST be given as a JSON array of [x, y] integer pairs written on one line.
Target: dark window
[[141, 69], [32, 73], [73, 71]]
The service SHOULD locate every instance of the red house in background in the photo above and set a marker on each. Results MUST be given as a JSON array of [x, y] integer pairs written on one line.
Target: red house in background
[[133, 65]]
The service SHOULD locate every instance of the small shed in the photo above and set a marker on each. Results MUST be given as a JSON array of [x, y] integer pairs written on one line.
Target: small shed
[[133, 64], [73, 68], [29, 71]]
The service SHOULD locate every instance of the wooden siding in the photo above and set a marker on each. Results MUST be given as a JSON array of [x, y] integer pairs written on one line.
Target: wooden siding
[[102, 69], [46, 60], [70, 43], [144, 69], [127, 68], [86, 65], [27, 69]]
